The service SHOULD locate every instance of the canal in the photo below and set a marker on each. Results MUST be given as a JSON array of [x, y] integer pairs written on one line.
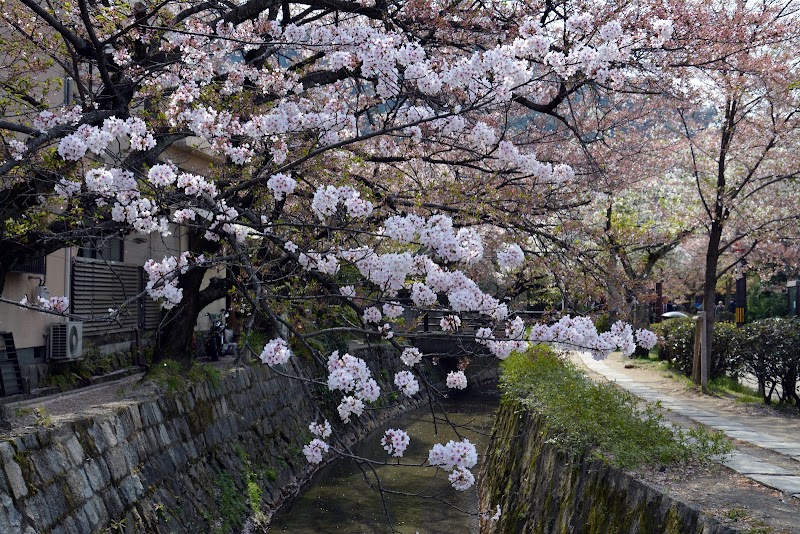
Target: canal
[[339, 500]]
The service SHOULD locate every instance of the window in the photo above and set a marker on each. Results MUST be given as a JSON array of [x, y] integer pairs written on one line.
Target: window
[[102, 248], [31, 265]]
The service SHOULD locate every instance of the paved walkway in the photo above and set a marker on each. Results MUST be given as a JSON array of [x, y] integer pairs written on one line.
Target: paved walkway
[[784, 477]]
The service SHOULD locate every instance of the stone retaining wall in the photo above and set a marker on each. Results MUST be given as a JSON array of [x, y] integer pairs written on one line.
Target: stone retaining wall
[[199, 461], [542, 490]]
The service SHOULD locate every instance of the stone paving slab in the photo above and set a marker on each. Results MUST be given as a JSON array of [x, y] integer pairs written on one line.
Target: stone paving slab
[[747, 464], [786, 483], [759, 470]]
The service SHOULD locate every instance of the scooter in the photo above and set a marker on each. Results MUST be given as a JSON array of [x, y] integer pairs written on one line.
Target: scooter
[[215, 338]]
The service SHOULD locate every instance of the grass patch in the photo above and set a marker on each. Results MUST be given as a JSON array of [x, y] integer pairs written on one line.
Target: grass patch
[[62, 381], [41, 418], [625, 430], [728, 387], [735, 514], [175, 376], [232, 508], [20, 411]]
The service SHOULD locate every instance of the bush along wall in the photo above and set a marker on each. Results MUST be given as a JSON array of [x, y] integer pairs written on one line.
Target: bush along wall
[[769, 349], [676, 345]]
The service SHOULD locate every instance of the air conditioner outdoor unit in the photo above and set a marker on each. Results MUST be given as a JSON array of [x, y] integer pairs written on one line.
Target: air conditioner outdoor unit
[[66, 341]]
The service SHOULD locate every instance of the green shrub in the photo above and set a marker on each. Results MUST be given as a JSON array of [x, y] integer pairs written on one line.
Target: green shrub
[[626, 431], [763, 304], [675, 340], [176, 376], [770, 350], [676, 345]]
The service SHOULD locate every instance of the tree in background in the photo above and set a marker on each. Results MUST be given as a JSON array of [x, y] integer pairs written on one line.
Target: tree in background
[[738, 116]]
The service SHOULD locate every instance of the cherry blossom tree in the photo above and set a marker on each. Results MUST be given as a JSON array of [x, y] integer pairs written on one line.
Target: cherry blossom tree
[[361, 154], [735, 104]]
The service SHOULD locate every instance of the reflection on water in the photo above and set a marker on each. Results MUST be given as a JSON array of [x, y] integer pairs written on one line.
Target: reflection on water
[[339, 500]]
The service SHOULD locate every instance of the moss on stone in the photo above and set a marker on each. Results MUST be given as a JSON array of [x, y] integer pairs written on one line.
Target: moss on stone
[[673, 523], [200, 417], [23, 459]]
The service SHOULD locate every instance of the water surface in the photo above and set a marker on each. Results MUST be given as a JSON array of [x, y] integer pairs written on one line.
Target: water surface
[[339, 500]]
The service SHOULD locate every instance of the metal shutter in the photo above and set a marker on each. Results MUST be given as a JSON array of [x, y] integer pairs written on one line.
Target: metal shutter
[[98, 285]]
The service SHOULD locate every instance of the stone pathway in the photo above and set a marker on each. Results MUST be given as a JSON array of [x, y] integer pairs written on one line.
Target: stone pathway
[[784, 477]]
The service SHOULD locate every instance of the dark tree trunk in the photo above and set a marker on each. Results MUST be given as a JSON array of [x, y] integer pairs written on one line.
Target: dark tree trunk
[[175, 335], [718, 213], [710, 284]]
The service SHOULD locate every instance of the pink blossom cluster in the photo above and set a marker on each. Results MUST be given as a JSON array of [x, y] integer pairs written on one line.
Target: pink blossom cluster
[[322, 430], [461, 479], [276, 352], [515, 328], [580, 332], [406, 382], [395, 441], [454, 454], [372, 315], [450, 323], [646, 339], [112, 184], [141, 214], [437, 232], [162, 175], [458, 457], [510, 257], [387, 271], [351, 375], [326, 264], [663, 30], [392, 310], [281, 185], [386, 331], [622, 333], [120, 187], [411, 356], [314, 450], [96, 139], [463, 246], [67, 188], [194, 185], [48, 119], [349, 406], [402, 228], [422, 295], [162, 281], [327, 199], [184, 215], [456, 380], [17, 149], [504, 347], [56, 304], [462, 292]]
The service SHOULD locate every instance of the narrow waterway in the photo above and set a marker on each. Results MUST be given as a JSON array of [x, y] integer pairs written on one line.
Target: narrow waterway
[[339, 500]]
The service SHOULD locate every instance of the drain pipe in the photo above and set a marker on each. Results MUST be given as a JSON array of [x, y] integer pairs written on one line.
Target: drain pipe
[[68, 277]]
